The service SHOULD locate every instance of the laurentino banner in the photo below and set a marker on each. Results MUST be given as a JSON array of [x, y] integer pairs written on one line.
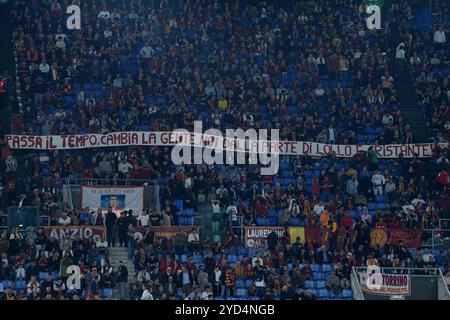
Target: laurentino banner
[[119, 198], [389, 284], [137, 138], [256, 237], [74, 232]]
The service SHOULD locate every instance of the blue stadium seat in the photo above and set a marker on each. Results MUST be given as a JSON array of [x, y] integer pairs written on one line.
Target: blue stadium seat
[[43, 275], [309, 284], [241, 292], [295, 222], [179, 204], [274, 221], [239, 284], [320, 284], [323, 293], [347, 293], [327, 268], [7, 284], [260, 221], [317, 276], [315, 267], [107, 292], [181, 221]]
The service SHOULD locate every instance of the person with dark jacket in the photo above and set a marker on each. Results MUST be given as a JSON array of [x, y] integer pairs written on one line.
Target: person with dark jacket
[[272, 240], [131, 218], [122, 280], [122, 225], [110, 223]]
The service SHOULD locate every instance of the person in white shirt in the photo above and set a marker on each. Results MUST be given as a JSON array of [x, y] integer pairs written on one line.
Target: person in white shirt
[[207, 293], [188, 183], [64, 220], [147, 295], [124, 168], [400, 56], [193, 240], [319, 91], [144, 219], [118, 83], [104, 15], [331, 134], [44, 67], [143, 276], [388, 119], [101, 243], [294, 208], [378, 182], [318, 209], [257, 259], [11, 164], [60, 40], [146, 52], [439, 36]]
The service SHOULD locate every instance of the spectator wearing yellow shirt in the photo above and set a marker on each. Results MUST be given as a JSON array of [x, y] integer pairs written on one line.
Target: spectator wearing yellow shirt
[[222, 104]]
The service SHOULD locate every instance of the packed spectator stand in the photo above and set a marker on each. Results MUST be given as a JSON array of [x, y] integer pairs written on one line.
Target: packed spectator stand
[[314, 72]]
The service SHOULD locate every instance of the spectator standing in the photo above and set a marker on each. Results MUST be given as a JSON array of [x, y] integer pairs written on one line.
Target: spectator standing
[[110, 223], [122, 280]]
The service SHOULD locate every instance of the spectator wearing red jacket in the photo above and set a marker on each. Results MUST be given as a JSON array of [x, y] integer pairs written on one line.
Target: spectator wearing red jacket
[[346, 221]]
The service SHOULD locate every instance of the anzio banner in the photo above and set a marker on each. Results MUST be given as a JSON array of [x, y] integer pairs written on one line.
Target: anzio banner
[[74, 232], [388, 285], [138, 138], [118, 198]]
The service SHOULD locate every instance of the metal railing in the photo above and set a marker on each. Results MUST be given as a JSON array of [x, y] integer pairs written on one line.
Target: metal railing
[[444, 224], [447, 290], [410, 271], [436, 242], [356, 286]]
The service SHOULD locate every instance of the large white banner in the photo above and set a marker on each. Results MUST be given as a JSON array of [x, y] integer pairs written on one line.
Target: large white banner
[[138, 138], [389, 284], [118, 198]]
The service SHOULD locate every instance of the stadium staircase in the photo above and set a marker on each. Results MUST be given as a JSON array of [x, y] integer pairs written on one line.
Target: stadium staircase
[[410, 110], [205, 209], [117, 254], [6, 63]]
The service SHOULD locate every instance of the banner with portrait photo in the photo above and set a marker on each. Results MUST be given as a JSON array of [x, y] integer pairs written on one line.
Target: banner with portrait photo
[[118, 198]]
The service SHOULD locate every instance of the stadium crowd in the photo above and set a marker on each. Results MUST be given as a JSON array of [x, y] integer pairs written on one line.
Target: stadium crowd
[[314, 72]]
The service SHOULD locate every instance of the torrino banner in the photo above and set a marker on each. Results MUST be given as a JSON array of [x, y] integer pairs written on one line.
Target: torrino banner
[[137, 138]]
